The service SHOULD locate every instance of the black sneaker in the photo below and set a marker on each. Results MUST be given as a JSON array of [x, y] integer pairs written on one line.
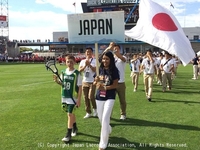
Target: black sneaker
[[74, 131]]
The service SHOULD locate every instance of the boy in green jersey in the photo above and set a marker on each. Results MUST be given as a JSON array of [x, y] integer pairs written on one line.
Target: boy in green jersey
[[71, 85]]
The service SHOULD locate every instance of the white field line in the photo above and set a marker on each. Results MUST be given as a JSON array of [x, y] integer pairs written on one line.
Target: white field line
[[36, 83]]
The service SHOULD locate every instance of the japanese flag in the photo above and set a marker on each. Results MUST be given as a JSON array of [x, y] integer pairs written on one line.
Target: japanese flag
[[157, 26]]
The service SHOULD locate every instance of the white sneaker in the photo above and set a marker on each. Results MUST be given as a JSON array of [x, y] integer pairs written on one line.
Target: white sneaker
[[134, 90], [87, 115], [123, 117], [74, 131], [66, 139], [94, 113]]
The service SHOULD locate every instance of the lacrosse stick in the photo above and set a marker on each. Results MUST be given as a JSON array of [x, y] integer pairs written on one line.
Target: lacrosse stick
[[51, 65]]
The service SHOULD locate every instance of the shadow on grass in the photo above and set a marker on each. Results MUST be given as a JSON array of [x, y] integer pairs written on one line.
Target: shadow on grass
[[157, 100], [139, 122], [116, 143], [180, 91], [186, 87], [177, 91]]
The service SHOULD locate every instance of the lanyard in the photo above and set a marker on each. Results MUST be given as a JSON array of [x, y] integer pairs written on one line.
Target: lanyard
[[135, 62], [91, 60]]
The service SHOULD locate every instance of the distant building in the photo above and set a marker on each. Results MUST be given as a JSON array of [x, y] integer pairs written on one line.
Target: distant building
[[60, 36], [193, 33]]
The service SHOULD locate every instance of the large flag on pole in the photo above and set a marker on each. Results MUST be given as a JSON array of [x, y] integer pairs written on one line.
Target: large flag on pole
[[158, 26]]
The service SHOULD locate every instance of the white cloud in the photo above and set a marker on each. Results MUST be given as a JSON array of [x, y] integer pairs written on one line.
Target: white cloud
[[191, 20], [66, 5], [34, 25]]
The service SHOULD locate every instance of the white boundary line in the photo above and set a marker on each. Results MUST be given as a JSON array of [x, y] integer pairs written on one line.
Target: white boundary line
[[36, 83]]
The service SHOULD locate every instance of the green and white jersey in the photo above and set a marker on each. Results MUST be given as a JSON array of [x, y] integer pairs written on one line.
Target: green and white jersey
[[69, 87]]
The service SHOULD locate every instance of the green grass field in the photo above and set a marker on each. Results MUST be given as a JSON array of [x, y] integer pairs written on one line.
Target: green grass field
[[31, 117]]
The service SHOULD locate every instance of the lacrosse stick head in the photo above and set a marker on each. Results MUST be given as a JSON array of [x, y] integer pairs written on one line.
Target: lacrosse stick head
[[51, 65]]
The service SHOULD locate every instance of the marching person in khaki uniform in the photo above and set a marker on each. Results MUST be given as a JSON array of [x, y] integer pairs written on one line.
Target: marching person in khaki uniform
[[195, 67], [148, 67], [158, 73], [166, 66], [88, 68], [135, 66], [120, 62]]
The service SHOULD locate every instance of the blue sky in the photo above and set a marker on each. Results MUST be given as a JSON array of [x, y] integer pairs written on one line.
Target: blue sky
[[191, 8], [38, 19]]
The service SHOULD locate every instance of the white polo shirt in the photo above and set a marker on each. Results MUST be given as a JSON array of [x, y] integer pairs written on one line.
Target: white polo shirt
[[148, 66], [168, 65], [90, 78], [135, 65], [121, 67], [158, 61]]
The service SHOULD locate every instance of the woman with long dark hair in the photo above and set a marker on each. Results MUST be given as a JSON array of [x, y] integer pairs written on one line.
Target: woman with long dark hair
[[106, 84]]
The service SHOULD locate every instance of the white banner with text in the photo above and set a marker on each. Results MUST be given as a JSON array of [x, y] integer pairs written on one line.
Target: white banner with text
[[96, 27]]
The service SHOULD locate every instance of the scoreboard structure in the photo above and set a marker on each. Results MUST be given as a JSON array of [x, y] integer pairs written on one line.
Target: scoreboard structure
[[115, 5]]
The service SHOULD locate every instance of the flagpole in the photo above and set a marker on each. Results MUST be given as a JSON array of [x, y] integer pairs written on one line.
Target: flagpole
[[97, 58], [74, 7], [184, 20]]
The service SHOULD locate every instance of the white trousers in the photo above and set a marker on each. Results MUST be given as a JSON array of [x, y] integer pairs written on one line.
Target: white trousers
[[195, 73], [104, 110]]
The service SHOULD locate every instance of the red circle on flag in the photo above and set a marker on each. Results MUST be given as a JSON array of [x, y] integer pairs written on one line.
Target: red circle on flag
[[164, 22]]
